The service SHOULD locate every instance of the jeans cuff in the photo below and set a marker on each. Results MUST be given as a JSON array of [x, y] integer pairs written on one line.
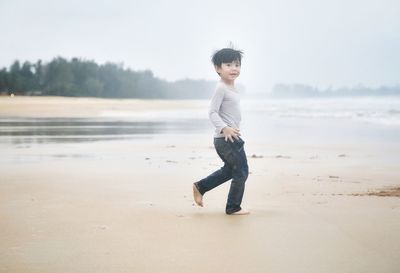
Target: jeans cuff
[[232, 210], [196, 184]]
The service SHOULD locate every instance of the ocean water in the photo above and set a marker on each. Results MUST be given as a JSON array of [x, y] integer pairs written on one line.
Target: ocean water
[[323, 120], [377, 110]]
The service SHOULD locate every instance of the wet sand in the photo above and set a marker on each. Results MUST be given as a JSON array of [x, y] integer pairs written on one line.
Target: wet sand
[[126, 206]]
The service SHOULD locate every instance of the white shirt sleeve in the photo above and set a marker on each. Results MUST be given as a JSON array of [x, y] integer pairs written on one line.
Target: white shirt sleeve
[[215, 105]]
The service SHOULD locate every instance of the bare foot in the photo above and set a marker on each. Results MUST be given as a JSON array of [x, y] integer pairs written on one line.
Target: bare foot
[[198, 198], [240, 212]]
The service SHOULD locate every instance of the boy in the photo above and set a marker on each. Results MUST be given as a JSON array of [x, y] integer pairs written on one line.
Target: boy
[[225, 115]]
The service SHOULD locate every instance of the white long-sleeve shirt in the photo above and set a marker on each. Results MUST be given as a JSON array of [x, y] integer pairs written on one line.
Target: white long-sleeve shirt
[[225, 108]]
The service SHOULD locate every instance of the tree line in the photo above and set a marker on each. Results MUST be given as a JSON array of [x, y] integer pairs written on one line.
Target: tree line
[[85, 78]]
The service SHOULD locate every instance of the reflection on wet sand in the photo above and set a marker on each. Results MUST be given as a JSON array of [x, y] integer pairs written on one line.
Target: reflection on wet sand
[[54, 130]]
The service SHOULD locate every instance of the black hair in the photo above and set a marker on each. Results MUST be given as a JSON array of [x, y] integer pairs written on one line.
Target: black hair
[[226, 55]]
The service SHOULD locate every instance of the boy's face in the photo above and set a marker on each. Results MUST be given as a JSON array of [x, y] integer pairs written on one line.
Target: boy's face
[[229, 71]]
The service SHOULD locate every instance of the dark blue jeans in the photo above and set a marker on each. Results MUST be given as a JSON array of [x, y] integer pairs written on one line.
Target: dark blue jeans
[[235, 168]]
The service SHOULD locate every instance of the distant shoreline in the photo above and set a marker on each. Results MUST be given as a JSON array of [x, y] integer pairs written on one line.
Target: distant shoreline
[[245, 96]]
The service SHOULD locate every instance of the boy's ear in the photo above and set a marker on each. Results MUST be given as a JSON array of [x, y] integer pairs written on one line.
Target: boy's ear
[[217, 68]]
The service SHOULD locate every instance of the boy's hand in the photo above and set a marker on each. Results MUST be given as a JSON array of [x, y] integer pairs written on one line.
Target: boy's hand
[[230, 132]]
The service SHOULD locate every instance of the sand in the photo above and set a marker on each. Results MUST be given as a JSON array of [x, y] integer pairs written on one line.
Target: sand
[[83, 107], [126, 206]]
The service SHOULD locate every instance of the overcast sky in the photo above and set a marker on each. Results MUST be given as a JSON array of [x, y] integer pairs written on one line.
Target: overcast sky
[[322, 43]]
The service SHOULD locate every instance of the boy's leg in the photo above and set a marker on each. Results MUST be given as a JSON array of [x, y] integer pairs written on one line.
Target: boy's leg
[[214, 180], [238, 160], [218, 177]]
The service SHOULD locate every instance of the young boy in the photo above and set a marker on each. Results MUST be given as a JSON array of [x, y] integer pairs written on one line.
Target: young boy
[[225, 115]]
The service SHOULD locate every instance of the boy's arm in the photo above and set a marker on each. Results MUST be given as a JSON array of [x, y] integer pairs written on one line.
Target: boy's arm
[[213, 113]]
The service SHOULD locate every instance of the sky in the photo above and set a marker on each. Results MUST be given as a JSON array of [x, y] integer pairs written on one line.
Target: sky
[[324, 43]]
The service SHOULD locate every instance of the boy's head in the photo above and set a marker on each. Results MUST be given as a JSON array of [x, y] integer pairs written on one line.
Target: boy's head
[[226, 55], [227, 62]]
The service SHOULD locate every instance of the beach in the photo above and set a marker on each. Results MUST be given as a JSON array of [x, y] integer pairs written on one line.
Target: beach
[[102, 185]]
